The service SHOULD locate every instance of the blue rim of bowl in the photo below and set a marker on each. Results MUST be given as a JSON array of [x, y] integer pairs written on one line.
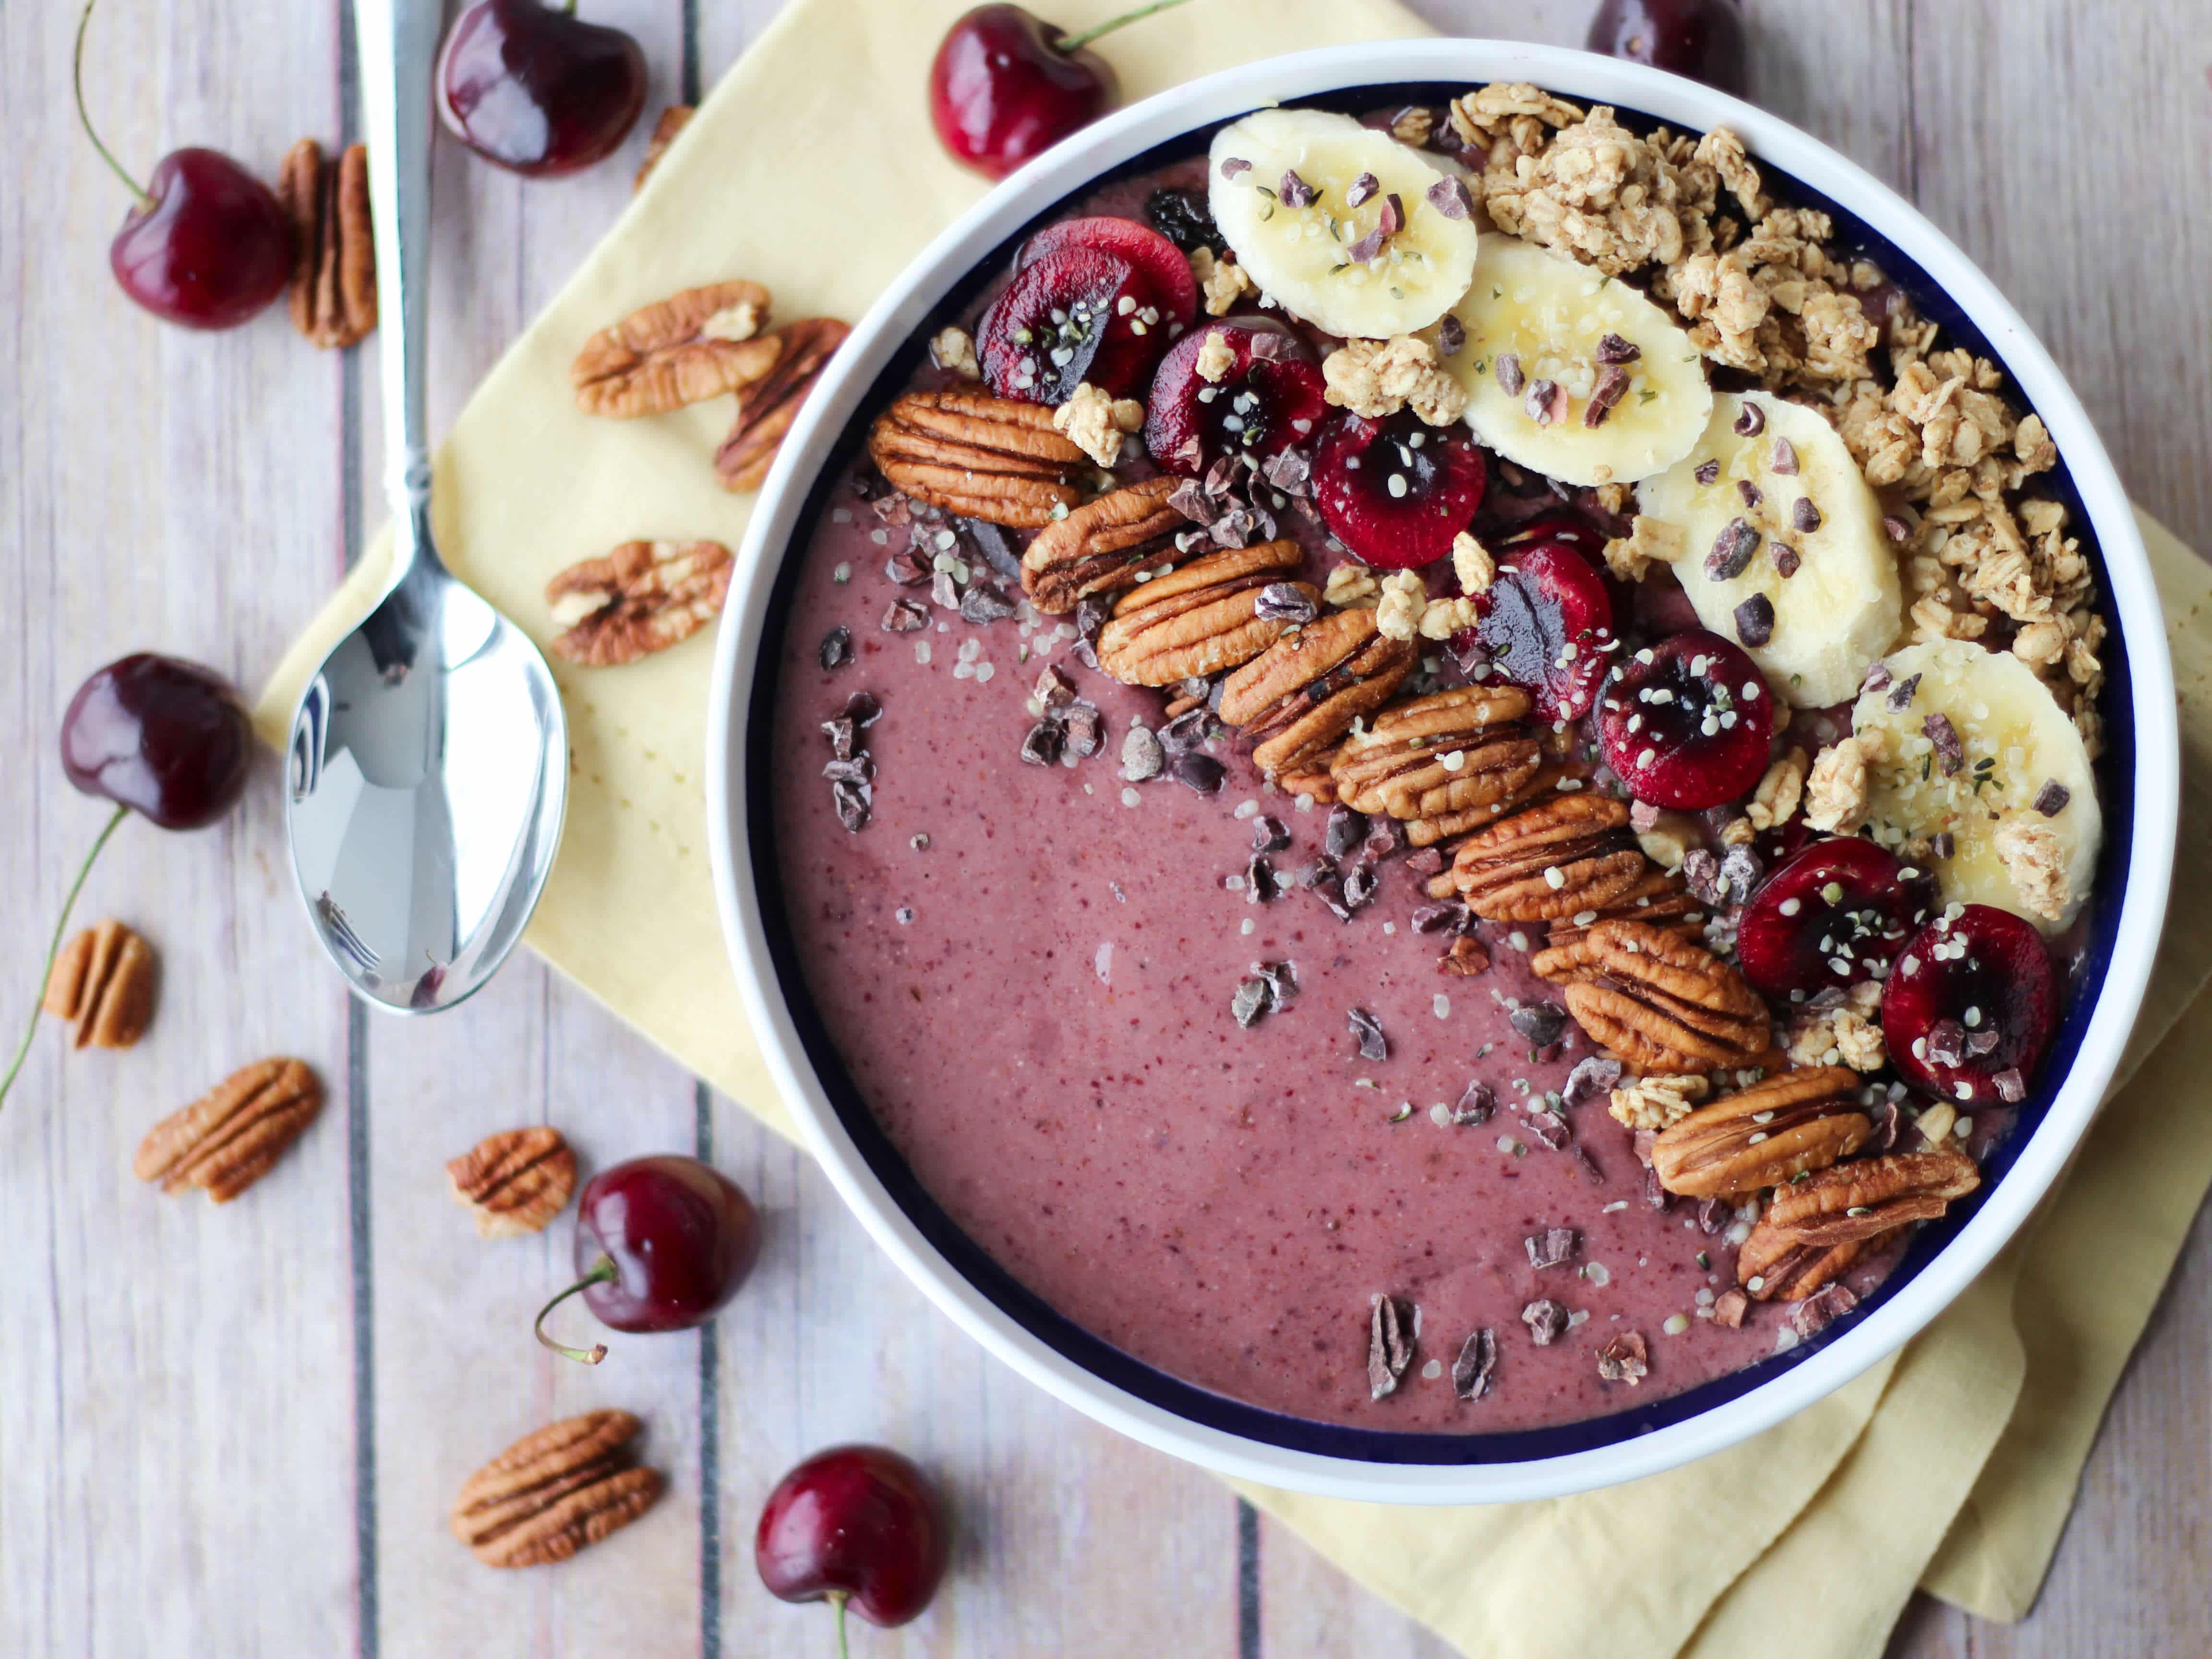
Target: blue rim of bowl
[[1201, 1405]]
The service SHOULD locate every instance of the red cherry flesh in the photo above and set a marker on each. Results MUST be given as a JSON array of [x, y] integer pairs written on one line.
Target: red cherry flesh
[[1701, 39], [536, 89], [662, 1244], [858, 1525], [1545, 625], [1396, 491], [1164, 280], [169, 740], [1097, 300], [1834, 914], [1687, 723], [1269, 397], [1968, 1010]]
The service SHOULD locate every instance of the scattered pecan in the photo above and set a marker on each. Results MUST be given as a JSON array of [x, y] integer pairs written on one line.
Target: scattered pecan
[[1659, 1003], [1100, 547], [642, 598], [1658, 898], [683, 349], [1200, 619], [1300, 695], [1624, 1360], [552, 1492], [673, 121], [1855, 1202], [767, 408], [1772, 1267], [103, 981], [984, 456], [516, 1180], [1452, 758], [230, 1138], [1763, 1136], [1560, 858], [333, 294]]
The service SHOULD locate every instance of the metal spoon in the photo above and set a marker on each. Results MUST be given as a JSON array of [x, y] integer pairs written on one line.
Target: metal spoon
[[428, 763]]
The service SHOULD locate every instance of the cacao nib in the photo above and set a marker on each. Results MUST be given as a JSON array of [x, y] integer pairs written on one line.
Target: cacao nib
[[1361, 189], [1551, 1247], [1284, 602], [1254, 997], [1260, 884], [852, 801], [1611, 385], [1282, 978], [996, 547], [1804, 516], [1946, 1042], [1787, 563], [1269, 834], [1748, 492], [1754, 620], [1426, 862], [903, 616], [1295, 192], [982, 604], [944, 592], [1053, 689], [1082, 722], [1450, 917], [860, 768], [1200, 772], [1624, 1360], [1478, 1358], [1449, 195], [1385, 838], [1783, 458], [1510, 377], [836, 648], [1476, 1103], [2051, 800], [2011, 1086], [1550, 1129], [1367, 1032], [1451, 336], [1546, 1321], [1541, 1023], [1822, 1309], [1043, 745], [1750, 420], [1347, 830], [1593, 1079], [1360, 883], [1729, 1308], [1612, 349], [1390, 1346], [1732, 550], [1708, 472], [1950, 753], [840, 731]]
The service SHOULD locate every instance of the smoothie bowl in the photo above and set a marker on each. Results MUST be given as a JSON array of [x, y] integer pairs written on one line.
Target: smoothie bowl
[[1442, 772]]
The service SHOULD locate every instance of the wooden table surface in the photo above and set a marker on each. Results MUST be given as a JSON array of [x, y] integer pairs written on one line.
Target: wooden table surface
[[237, 1431]]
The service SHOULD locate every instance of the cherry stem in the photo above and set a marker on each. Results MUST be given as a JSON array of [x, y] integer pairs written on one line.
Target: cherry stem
[[76, 81], [837, 1600], [603, 1272], [1075, 43], [54, 948]]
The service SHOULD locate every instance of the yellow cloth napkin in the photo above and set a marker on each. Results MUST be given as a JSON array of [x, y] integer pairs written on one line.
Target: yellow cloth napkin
[[1976, 1427]]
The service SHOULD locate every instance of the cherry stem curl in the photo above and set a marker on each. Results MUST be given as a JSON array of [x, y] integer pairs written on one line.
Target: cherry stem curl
[[54, 948], [77, 84], [603, 1272], [1075, 43]]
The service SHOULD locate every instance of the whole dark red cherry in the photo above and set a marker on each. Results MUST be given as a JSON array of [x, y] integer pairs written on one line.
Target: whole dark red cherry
[[662, 1244], [167, 738], [205, 244], [536, 89], [1005, 85], [1701, 39], [855, 1525]]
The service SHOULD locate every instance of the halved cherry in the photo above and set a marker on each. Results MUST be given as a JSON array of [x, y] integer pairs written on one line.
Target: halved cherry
[[1055, 327], [1395, 491], [1687, 722], [1545, 625], [1835, 914], [1967, 1011], [1158, 263], [1569, 527], [1267, 398]]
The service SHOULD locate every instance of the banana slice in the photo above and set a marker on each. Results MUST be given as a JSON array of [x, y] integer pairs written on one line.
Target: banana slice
[[1758, 463], [1536, 320], [1296, 237], [2015, 743]]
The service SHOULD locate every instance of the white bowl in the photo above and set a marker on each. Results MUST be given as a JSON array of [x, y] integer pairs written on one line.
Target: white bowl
[[1546, 1463]]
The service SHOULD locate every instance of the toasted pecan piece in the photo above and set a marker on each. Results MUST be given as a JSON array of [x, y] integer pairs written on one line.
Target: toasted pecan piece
[[1101, 546], [1775, 1267], [767, 408], [672, 121], [552, 1492], [232, 1136], [1301, 694], [1314, 780], [683, 349], [1557, 858], [1200, 619], [642, 598], [1771, 1132], [978, 455], [516, 1180], [1861, 1199], [1658, 898], [333, 292], [103, 981], [1451, 753], [1657, 1002]]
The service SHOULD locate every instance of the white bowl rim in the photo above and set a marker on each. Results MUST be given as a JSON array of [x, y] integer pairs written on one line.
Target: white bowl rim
[[2132, 601]]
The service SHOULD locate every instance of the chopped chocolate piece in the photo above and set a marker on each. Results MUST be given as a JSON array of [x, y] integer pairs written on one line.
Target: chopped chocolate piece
[[1754, 620], [1728, 1307], [1053, 689], [1347, 830], [1612, 349], [1466, 958], [944, 592], [1945, 843], [1950, 753], [1822, 1309], [1385, 838], [1141, 755], [1982, 1041], [1091, 611], [1451, 336], [908, 569], [1359, 884], [1283, 976], [1187, 730], [1546, 402], [983, 602], [1082, 720], [1877, 677], [1449, 195], [1269, 834], [852, 801], [996, 547], [1510, 377], [860, 768], [1732, 549], [1391, 219], [836, 648], [1748, 492], [1786, 560], [1367, 1031], [1713, 1214], [1361, 189], [1284, 602], [1200, 772], [1946, 1042], [1254, 997], [1426, 862], [1478, 1358], [1295, 192], [1450, 917], [862, 710], [1289, 470], [1624, 1360], [1803, 515], [1896, 529], [1043, 745], [1551, 1247], [1591, 1079], [1900, 695], [1476, 1103], [1189, 498], [2051, 800], [1261, 886], [1612, 386], [1390, 1346], [1708, 472], [840, 731], [1750, 421], [1541, 1023], [1783, 458], [1546, 1321], [1550, 1129], [1233, 165], [903, 616], [1368, 247], [1701, 873], [2011, 1086]]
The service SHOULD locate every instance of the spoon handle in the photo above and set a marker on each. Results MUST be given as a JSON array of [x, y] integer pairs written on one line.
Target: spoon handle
[[397, 41]]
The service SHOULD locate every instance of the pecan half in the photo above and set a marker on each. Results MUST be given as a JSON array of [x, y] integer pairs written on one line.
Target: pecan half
[[683, 349], [1772, 1267], [103, 981], [1297, 697], [1763, 1136], [767, 407], [1199, 620], [1316, 780], [1561, 857], [1855, 1202], [1658, 898], [1100, 547], [642, 598], [983, 457], [552, 1492], [1453, 755], [231, 1136], [516, 1180], [1659, 1003], [333, 293], [673, 121]]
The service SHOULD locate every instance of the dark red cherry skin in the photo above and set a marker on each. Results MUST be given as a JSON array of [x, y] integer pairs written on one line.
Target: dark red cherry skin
[[1835, 914], [537, 90], [1577, 532], [1967, 1012], [1054, 327], [1545, 625], [1164, 282], [1438, 476], [1653, 713], [1269, 398], [1701, 39], [861, 1522], [212, 250], [681, 1235], [1001, 91], [169, 740]]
